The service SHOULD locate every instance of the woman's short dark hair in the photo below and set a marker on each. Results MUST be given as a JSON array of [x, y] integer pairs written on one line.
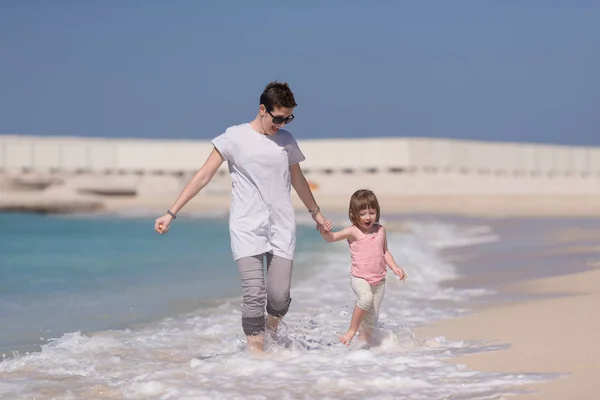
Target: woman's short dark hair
[[277, 94]]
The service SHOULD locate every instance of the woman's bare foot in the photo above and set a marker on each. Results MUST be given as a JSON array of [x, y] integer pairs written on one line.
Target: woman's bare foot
[[272, 323], [347, 337], [255, 344]]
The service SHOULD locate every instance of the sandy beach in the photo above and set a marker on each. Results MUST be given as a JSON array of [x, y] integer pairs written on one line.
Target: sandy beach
[[496, 206], [98, 193], [557, 334]]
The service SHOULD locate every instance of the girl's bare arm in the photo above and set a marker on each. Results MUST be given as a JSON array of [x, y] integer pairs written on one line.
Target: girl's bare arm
[[346, 233]]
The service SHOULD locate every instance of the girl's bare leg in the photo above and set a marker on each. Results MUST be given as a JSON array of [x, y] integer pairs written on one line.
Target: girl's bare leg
[[366, 329], [357, 317], [365, 334]]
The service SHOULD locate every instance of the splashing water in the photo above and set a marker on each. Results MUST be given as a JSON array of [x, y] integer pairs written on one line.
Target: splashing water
[[202, 355]]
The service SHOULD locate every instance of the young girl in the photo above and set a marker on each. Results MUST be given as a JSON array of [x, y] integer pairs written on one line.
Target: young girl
[[370, 255]]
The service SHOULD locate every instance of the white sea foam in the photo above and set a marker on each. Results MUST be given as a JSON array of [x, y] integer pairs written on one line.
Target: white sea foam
[[202, 356]]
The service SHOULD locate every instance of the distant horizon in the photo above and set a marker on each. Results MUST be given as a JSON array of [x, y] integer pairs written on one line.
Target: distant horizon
[[523, 72]]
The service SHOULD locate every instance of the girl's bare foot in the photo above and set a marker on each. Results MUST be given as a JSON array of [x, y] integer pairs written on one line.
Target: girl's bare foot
[[365, 335], [347, 337]]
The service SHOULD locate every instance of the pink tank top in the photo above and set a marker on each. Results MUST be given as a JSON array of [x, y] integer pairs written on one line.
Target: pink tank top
[[368, 257]]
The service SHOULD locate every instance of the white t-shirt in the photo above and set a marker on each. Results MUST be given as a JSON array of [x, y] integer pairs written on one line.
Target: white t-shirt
[[261, 218]]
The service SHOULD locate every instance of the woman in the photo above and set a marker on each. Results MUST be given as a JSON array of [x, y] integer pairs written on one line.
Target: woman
[[264, 161]]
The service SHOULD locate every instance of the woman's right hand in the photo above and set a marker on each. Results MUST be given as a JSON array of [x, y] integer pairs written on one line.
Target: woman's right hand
[[161, 225]]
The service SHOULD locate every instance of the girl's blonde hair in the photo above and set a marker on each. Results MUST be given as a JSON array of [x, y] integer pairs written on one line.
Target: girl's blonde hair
[[361, 200]]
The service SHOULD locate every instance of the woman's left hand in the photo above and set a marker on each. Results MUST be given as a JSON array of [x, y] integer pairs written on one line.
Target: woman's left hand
[[322, 221]]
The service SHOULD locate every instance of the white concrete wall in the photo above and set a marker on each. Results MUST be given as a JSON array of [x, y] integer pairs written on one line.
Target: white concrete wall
[[355, 155], [101, 155], [415, 165]]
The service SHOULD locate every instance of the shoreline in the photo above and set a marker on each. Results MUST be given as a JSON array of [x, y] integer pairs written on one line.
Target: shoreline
[[554, 333]]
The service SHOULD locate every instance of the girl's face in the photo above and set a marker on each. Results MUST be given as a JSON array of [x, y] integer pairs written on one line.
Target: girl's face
[[367, 218], [279, 114]]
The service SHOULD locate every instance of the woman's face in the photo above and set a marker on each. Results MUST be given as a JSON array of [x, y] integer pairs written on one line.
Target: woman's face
[[279, 114]]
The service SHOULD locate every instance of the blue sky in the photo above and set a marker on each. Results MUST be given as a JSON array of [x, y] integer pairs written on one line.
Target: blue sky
[[491, 70]]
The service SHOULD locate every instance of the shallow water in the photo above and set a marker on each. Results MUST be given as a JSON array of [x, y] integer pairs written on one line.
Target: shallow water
[[201, 354]]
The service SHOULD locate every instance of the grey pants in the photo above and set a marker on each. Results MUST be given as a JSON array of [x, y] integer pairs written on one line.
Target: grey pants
[[276, 297]]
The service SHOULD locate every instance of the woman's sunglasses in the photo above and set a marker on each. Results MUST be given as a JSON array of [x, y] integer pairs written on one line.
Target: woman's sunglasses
[[278, 119]]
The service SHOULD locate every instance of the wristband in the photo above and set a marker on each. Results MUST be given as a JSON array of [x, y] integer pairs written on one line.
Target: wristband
[[172, 214], [315, 211]]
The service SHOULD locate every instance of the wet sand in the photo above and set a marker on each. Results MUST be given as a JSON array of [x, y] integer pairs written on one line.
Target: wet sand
[[552, 327]]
